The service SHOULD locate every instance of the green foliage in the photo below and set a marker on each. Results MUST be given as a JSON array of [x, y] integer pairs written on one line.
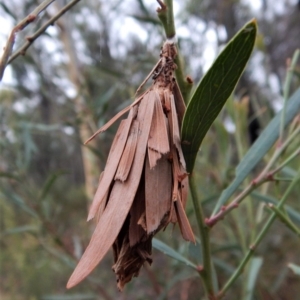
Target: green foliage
[[259, 149], [213, 91]]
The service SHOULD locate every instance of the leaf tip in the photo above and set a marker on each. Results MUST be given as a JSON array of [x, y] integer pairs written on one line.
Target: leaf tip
[[72, 282]]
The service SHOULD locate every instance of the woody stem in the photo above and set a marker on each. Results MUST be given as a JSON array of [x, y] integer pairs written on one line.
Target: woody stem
[[166, 16], [205, 273]]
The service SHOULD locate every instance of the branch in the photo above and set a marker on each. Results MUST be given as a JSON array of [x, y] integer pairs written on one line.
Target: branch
[[235, 203], [19, 27], [39, 32], [263, 177]]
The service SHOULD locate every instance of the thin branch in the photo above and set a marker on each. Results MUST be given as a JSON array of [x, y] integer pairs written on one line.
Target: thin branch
[[235, 203], [39, 32], [20, 26], [264, 176]]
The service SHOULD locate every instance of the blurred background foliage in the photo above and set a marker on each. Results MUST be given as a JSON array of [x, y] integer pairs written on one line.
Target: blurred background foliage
[[76, 77]]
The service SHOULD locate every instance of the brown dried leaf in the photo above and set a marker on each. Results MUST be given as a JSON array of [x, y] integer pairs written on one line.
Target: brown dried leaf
[[158, 137], [153, 157], [147, 78], [179, 102], [176, 132], [158, 194], [116, 211], [184, 225], [128, 153], [136, 230], [103, 202], [184, 190], [111, 166], [116, 117]]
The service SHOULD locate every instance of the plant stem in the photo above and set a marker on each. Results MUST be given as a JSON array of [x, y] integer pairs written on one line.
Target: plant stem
[[166, 15], [206, 273], [258, 239]]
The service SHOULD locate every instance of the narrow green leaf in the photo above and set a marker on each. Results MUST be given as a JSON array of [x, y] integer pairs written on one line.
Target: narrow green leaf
[[162, 247], [255, 266], [294, 268], [214, 89], [261, 146], [21, 229]]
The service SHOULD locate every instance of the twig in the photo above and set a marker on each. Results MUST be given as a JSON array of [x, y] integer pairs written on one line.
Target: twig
[[20, 26], [39, 32], [205, 272], [235, 203], [258, 239], [264, 176]]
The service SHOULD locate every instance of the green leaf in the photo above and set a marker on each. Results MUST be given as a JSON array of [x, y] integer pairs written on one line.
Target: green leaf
[[214, 89], [261, 146], [21, 229], [162, 247], [294, 268], [255, 266]]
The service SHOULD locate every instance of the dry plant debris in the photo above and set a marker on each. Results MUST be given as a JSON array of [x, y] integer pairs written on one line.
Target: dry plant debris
[[144, 185]]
